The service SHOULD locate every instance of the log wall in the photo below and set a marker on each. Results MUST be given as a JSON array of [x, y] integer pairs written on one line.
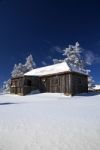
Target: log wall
[[68, 83]]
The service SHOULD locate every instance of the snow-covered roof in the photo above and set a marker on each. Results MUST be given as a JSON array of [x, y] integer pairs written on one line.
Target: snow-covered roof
[[97, 87], [52, 69]]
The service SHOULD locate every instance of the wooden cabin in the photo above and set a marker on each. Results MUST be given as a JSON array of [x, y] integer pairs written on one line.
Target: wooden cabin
[[57, 78]]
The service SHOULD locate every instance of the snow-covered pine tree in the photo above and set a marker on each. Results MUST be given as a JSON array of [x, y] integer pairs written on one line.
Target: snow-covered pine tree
[[14, 71], [6, 86], [91, 83], [17, 71], [74, 58], [20, 69], [29, 64]]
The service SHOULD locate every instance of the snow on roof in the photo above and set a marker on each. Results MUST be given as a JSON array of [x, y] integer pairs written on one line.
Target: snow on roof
[[52, 69], [97, 87]]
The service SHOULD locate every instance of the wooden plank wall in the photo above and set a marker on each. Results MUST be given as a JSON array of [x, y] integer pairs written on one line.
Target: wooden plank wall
[[79, 83], [20, 85], [68, 83], [57, 83]]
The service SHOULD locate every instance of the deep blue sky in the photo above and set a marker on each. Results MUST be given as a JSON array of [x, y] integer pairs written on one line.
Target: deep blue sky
[[41, 27]]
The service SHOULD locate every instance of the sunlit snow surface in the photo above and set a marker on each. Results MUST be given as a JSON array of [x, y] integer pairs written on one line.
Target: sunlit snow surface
[[50, 122]]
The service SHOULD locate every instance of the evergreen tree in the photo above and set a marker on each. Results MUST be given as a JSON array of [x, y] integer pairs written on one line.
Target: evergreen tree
[[29, 64], [6, 86], [14, 71], [91, 83], [74, 58], [18, 71], [21, 69]]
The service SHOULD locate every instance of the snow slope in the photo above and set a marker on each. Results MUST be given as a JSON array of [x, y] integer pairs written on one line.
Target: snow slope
[[50, 122]]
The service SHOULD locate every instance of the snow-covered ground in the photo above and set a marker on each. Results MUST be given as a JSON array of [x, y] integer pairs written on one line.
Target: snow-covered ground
[[50, 122]]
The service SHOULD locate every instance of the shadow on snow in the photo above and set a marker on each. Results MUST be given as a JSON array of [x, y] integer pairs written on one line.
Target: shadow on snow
[[7, 103], [89, 94]]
